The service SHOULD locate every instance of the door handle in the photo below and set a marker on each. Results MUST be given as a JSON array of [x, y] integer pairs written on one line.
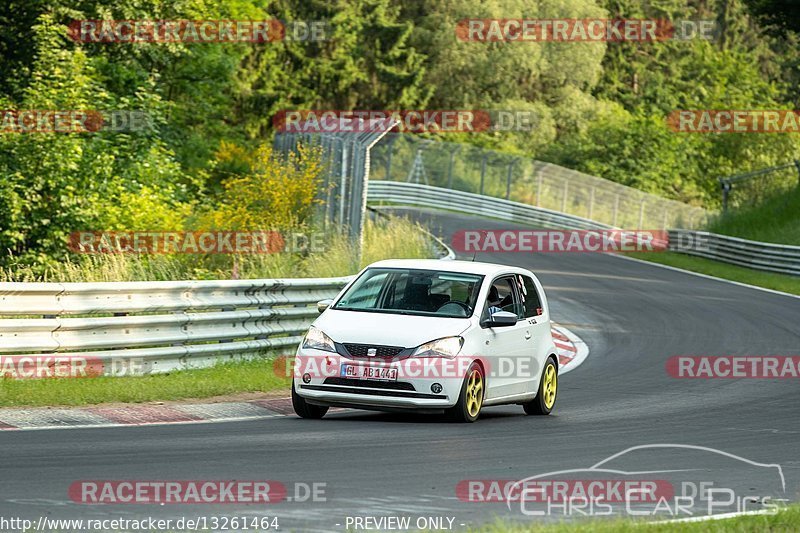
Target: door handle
[[527, 335]]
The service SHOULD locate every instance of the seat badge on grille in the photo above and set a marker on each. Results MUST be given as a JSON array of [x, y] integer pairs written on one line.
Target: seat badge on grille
[[372, 352]]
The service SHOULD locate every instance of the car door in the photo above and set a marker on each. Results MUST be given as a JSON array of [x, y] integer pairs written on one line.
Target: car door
[[536, 329], [505, 346]]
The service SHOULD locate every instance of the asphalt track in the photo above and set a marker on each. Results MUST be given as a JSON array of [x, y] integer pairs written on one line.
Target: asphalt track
[[632, 315]]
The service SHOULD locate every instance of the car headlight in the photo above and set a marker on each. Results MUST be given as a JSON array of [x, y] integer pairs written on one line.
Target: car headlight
[[316, 338], [446, 347]]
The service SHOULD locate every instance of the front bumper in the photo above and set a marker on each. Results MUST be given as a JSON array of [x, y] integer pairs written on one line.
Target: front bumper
[[324, 383]]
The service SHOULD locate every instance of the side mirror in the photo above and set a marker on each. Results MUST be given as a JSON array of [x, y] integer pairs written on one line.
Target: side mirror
[[501, 319], [324, 304]]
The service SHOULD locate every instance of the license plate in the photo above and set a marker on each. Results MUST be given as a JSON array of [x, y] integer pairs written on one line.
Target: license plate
[[369, 372]]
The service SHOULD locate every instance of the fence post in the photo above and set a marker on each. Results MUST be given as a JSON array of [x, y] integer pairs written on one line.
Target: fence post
[[342, 183], [508, 179], [797, 166], [450, 168], [564, 199], [641, 214], [328, 146], [483, 171], [591, 204], [540, 181], [389, 159], [726, 189]]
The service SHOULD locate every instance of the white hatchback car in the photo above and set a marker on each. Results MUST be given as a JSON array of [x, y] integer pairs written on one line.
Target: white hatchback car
[[433, 336]]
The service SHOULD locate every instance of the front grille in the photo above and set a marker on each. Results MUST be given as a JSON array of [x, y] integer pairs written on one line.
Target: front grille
[[360, 350], [350, 382]]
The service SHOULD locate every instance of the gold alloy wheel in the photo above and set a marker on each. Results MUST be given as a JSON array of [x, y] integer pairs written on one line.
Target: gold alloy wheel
[[550, 386], [474, 393]]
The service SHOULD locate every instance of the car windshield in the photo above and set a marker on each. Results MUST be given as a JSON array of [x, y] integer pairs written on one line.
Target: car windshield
[[409, 291]]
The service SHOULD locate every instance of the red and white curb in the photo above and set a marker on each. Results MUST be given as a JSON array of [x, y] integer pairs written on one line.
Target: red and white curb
[[572, 351], [570, 348], [141, 415]]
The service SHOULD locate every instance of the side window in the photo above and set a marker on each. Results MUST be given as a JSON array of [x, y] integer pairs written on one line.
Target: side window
[[533, 306], [366, 297], [502, 296]]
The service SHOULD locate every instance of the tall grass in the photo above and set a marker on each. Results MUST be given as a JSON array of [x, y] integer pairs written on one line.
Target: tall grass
[[389, 238], [777, 219], [383, 239]]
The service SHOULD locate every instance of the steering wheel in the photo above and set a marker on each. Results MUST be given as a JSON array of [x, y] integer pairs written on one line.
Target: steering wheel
[[464, 307]]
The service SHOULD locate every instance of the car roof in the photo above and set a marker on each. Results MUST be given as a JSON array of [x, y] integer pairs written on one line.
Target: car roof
[[471, 267]]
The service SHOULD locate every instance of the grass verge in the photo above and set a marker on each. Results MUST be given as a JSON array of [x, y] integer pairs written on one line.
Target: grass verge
[[787, 520], [257, 375], [768, 280]]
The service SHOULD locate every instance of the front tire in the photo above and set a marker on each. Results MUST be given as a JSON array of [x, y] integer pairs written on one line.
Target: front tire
[[305, 409], [548, 387], [470, 400]]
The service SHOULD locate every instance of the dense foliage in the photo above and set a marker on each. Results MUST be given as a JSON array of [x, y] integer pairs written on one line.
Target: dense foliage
[[601, 107]]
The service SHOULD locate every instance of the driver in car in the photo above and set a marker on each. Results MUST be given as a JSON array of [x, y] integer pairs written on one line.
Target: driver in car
[[493, 302]]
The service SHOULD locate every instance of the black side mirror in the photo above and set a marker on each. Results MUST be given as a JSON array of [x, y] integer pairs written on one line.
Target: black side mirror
[[500, 319]]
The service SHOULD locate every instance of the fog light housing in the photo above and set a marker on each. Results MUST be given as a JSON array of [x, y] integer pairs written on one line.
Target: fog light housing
[[436, 388], [306, 378]]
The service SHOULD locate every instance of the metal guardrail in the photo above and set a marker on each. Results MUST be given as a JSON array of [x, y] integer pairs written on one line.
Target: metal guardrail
[[475, 204], [163, 325], [770, 257], [781, 258]]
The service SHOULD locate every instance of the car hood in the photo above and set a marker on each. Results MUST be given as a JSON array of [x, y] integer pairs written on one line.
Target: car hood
[[388, 329]]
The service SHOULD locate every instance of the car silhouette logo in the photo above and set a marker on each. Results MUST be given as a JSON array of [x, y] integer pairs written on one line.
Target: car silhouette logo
[[372, 352]]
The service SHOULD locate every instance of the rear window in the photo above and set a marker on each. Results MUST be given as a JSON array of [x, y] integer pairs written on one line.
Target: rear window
[[531, 301]]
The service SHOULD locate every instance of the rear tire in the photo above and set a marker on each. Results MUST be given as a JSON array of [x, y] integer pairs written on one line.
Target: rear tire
[[548, 387], [305, 409], [470, 401]]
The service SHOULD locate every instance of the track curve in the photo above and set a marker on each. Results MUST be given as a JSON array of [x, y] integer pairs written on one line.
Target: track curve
[[632, 315]]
